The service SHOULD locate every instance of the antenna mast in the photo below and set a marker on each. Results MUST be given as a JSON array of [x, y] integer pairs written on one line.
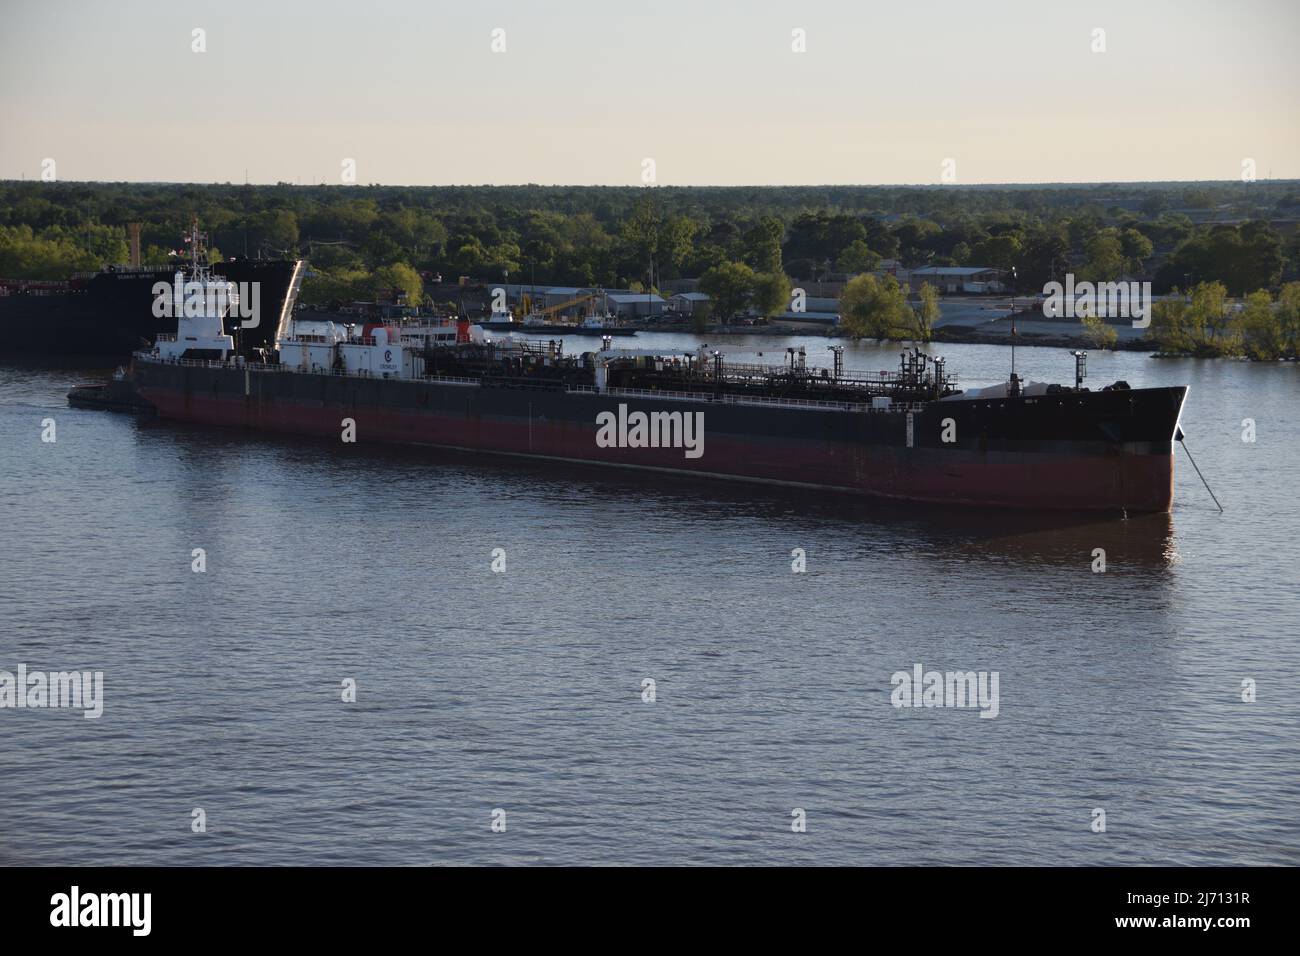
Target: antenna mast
[[1013, 387]]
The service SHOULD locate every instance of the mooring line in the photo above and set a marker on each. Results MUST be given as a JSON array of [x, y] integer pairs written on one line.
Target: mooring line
[[1198, 473]]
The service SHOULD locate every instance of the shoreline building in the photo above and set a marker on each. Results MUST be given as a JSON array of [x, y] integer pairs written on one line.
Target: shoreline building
[[951, 279], [686, 303]]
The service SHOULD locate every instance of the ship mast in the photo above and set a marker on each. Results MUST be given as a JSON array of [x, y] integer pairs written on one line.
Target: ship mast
[[198, 257], [1013, 386]]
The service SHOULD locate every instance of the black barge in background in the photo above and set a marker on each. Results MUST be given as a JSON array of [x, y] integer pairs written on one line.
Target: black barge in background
[[110, 313]]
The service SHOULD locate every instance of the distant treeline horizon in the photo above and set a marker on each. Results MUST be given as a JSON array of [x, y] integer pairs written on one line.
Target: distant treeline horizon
[[361, 239]]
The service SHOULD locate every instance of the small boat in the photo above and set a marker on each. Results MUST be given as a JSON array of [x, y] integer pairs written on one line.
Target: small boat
[[115, 395]]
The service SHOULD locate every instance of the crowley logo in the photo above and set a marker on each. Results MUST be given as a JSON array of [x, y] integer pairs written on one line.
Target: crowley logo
[[651, 430], [388, 355]]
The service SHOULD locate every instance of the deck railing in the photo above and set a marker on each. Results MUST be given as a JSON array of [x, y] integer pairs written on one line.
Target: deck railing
[[724, 399], [773, 401], [148, 356]]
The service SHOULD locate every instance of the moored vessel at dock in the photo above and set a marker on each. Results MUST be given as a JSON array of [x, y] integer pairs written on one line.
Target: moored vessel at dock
[[539, 325], [109, 313], [910, 434]]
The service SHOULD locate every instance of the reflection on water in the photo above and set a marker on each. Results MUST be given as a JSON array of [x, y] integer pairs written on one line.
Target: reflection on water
[[1023, 536], [523, 689]]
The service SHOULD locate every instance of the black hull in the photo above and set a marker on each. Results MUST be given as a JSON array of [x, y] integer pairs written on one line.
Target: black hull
[[110, 315], [1095, 451], [114, 396]]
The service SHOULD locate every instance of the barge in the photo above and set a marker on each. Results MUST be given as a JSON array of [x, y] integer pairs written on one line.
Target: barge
[[910, 434]]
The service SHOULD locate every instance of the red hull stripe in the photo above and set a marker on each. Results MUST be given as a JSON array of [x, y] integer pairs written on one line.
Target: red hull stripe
[[1039, 480]]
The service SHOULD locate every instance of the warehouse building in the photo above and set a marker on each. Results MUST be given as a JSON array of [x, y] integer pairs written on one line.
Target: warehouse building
[[631, 305], [949, 279], [685, 303]]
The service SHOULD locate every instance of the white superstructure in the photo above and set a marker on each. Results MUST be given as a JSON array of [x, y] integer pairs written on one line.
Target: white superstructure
[[200, 302], [346, 349], [383, 350]]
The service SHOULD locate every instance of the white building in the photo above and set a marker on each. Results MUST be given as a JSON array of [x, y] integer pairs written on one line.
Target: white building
[[957, 278], [629, 305]]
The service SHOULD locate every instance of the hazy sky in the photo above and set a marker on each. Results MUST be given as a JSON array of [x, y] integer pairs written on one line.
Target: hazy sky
[[711, 91]]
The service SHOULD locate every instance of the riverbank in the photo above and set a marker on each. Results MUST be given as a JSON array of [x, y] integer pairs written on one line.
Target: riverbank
[[1032, 331], [974, 320], [1032, 339]]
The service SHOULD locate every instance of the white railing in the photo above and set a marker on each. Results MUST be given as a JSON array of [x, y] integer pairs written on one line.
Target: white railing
[[263, 367], [449, 380]]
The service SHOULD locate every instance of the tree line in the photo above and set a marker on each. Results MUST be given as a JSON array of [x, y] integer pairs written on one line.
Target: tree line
[[1204, 322], [747, 245]]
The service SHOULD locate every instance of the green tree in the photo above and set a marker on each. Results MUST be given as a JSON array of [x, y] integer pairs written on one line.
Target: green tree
[[1261, 328], [676, 242], [1044, 257], [502, 259], [1098, 333], [152, 255], [1288, 316], [729, 286], [1169, 329], [1209, 317], [402, 279], [333, 256], [325, 288], [1000, 252], [761, 245], [917, 240], [641, 234], [1136, 248], [470, 256], [928, 311], [50, 255], [275, 231], [878, 309], [412, 230], [771, 293], [1105, 257], [380, 250], [1198, 325], [344, 219], [856, 258], [1243, 259]]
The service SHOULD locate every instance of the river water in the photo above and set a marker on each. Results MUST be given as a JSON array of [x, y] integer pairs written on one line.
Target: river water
[[524, 691]]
